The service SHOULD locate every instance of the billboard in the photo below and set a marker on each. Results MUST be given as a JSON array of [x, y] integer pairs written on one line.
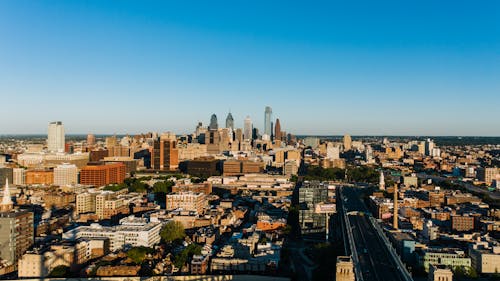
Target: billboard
[[325, 208]]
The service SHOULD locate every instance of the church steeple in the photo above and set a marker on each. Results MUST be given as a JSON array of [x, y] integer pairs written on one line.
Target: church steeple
[[7, 203]]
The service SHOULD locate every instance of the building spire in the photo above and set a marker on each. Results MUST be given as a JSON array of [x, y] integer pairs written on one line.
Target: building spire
[[7, 203], [381, 183]]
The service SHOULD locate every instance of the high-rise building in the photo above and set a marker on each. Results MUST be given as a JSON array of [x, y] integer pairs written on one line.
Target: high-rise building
[[18, 176], [277, 130], [332, 151], [247, 128], [267, 121], [55, 139], [230, 121], [66, 174], [213, 123], [6, 173], [310, 194], [90, 140], [347, 142], [165, 154], [429, 146], [16, 235]]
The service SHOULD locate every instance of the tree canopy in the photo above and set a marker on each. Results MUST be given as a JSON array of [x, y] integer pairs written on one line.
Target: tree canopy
[[138, 254], [172, 231]]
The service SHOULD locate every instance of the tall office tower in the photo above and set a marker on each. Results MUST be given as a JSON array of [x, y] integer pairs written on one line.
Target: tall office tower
[[369, 154], [65, 174], [90, 140], [230, 121], [345, 269], [429, 146], [165, 154], [16, 235], [277, 130], [347, 142], [395, 215], [267, 121], [381, 183], [213, 123], [247, 128], [55, 139], [255, 133]]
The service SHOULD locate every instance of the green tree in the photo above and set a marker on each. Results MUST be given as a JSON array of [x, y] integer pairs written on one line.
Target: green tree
[[59, 271], [172, 232], [186, 254], [138, 254]]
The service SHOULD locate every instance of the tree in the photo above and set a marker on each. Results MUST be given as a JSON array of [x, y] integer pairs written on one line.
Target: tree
[[138, 254], [59, 271], [172, 232], [163, 187], [186, 254]]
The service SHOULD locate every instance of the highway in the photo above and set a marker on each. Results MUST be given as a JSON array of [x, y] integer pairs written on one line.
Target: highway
[[375, 261]]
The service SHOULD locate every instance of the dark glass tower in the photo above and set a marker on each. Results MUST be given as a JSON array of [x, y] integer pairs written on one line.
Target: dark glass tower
[[213, 123]]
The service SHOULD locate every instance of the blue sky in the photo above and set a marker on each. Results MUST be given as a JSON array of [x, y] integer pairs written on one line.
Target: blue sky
[[325, 67]]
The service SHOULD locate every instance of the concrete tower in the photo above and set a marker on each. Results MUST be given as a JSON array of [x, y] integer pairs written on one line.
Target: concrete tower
[[277, 130], [381, 183], [90, 139], [230, 121], [395, 215], [213, 123], [347, 142], [55, 137], [247, 128], [267, 121]]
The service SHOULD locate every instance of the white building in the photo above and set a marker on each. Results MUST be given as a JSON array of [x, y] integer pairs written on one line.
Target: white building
[[132, 232], [18, 176], [332, 151], [65, 174], [55, 139]]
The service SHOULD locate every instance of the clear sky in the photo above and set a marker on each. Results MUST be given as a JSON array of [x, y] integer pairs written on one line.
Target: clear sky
[[325, 67]]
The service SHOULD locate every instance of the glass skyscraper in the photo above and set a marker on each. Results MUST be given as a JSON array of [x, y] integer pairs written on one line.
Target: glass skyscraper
[[267, 121]]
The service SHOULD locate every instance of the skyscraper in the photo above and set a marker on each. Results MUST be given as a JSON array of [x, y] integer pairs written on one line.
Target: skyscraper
[[165, 154], [90, 139], [347, 142], [213, 123], [55, 138], [247, 128], [230, 121], [267, 121], [277, 130]]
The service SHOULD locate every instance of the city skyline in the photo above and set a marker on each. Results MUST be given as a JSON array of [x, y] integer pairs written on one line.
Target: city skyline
[[326, 69]]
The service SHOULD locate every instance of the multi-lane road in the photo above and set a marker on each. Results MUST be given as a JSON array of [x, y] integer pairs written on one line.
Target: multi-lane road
[[375, 261]]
